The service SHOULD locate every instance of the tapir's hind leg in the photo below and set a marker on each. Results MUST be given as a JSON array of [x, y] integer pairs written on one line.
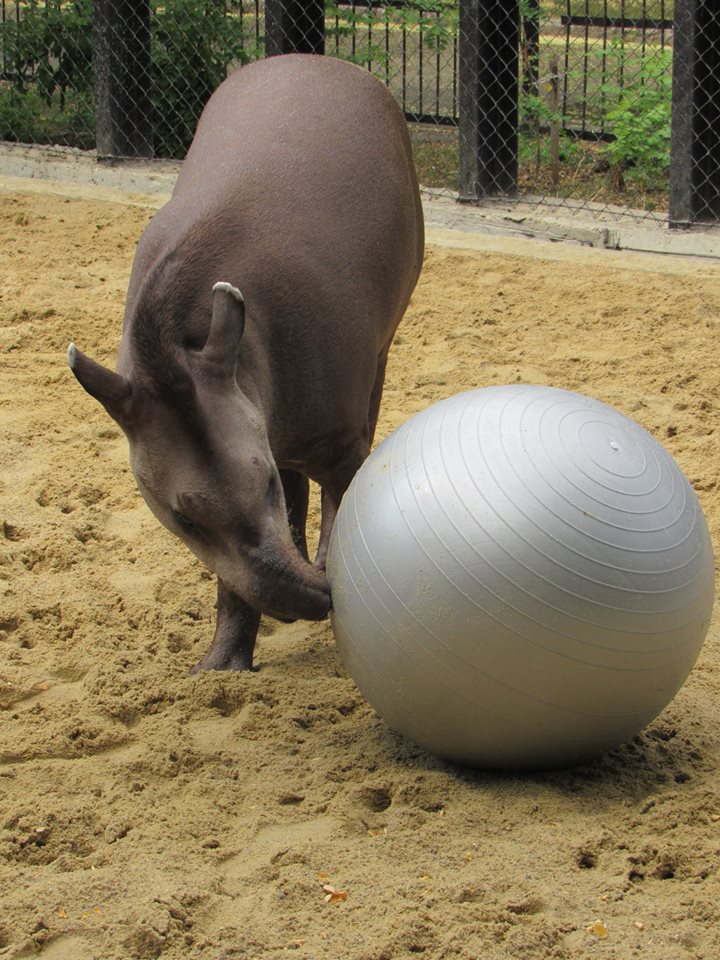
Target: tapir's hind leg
[[297, 491], [343, 472], [376, 396], [235, 633]]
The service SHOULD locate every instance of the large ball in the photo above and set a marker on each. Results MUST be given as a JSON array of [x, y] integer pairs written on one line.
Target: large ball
[[522, 578]]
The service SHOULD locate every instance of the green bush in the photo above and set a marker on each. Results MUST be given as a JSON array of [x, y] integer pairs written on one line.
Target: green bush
[[48, 53], [640, 121], [50, 47], [48, 56], [192, 45], [28, 117], [19, 116]]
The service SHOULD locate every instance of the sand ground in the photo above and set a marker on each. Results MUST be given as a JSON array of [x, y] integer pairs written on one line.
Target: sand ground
[[148, 813]]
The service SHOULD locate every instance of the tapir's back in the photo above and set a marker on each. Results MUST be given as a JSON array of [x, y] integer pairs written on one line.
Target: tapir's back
[[309, 157], [320, 130]]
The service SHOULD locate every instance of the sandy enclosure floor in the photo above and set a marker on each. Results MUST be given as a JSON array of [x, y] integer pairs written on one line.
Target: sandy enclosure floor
[[147, 813]]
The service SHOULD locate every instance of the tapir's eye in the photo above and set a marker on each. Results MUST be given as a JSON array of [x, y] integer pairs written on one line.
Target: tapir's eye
[[188, 525], [184, 521]]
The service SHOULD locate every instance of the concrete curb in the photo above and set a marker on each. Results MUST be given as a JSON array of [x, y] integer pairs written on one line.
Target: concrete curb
[[600, 228], [542, 221]]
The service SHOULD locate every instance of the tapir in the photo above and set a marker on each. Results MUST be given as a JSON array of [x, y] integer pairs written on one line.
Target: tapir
[[262, 302]]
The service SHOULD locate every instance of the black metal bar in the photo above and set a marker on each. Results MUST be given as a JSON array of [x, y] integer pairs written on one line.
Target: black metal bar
[[397, 4], [369, 37], [586, 67], [531, 47], [603, 69], [643, 30], [4, 54], [455, 77], [294, 26], [489, 81], [353, 42], [662, 33], [621, 66], [437, 71], [695, 137], [431, 118], [587, 135], [404, 67], [121, 59], [420, 70], [628, 23], [566, 70]]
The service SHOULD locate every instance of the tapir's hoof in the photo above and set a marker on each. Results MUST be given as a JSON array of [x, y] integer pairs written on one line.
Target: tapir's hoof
[[213, 661]]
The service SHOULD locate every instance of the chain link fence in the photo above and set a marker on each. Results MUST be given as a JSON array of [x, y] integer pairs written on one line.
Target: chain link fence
[[550, 101]]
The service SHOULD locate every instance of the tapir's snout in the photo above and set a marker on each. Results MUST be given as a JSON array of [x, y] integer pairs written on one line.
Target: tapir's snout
[[301, 599], [283, 585]]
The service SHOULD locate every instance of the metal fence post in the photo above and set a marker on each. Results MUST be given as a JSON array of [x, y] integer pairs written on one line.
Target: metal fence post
[[121, 60], [294, 26], [489, 81], [695, 133], [530, 47]]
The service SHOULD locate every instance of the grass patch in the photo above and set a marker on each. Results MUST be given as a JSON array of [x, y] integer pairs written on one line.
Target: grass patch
[[586, 172]]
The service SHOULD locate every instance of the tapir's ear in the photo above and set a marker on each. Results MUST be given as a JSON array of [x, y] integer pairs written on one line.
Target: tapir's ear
[[226, 326], [112, 390]]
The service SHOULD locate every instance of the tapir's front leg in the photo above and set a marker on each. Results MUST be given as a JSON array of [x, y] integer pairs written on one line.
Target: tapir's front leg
[[329, 506], [296, 488], [235, 633]]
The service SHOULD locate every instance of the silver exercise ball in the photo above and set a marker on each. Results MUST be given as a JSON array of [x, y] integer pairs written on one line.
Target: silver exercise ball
[[522, 578]]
